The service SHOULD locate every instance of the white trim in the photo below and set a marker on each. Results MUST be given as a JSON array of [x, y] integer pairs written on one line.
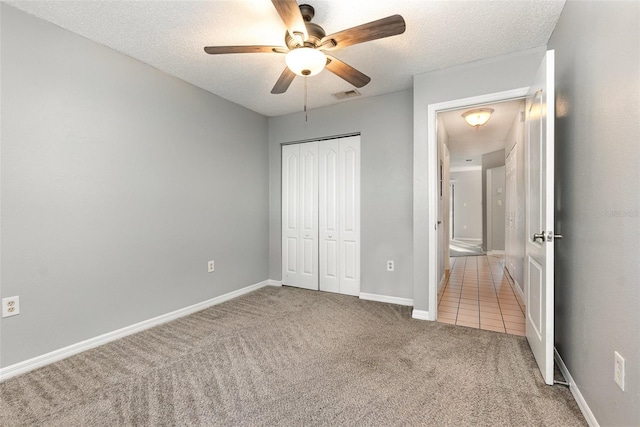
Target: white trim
[[272, 282], [465, 168], [495, 252], [489, 210], [432, 180], [386, 298], [421, 315], [63, 353], [518, 289], [582, 404], [469, 240], [443, 280]]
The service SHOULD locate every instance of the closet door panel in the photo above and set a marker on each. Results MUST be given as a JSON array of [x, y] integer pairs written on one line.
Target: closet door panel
[[308, 255], [349, 218], [290, 213], [329, 218]]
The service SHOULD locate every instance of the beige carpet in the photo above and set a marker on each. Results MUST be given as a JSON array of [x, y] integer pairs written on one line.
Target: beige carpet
[[284, 356]]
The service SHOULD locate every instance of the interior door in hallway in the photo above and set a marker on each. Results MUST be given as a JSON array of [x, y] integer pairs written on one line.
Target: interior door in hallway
[[539, 264]]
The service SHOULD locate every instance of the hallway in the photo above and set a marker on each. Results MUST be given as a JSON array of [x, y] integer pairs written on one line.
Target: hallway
[[480, 294]]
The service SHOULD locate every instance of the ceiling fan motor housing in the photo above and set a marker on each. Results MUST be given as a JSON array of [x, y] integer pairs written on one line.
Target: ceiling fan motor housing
[[316, 33]]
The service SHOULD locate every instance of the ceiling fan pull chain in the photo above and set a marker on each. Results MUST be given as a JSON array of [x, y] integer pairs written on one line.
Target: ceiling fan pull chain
[[306, 116]]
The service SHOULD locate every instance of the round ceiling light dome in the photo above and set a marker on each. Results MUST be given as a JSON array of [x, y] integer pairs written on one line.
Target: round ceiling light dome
[[478, 117], [305, 61]]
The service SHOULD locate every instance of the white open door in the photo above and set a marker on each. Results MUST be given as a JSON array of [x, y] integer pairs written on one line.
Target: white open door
[[539, 170]]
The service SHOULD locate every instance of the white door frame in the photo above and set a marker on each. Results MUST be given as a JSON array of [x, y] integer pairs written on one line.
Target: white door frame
[[432, 154]]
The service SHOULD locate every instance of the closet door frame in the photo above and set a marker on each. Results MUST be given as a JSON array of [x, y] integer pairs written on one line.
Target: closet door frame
[[337, 219]]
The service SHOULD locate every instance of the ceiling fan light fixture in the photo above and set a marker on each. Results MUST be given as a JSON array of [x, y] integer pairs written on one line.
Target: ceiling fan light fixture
[[306, 61], [478, 116]]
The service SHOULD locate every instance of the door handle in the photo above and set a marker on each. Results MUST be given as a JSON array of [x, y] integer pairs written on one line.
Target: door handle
[[331, 237], [540, 236]]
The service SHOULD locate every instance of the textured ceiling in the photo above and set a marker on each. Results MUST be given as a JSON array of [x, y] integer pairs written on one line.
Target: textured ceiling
[[466, 142], [170, 35]]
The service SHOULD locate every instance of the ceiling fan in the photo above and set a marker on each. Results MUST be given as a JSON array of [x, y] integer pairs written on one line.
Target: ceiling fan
[[306, 42]]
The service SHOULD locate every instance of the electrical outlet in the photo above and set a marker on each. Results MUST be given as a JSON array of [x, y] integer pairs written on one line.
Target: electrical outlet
[[211, 266], [10, 306], [390, 265], [618, 373]]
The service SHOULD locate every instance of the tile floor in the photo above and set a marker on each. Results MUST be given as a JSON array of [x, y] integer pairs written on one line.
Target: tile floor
[[479, 294]]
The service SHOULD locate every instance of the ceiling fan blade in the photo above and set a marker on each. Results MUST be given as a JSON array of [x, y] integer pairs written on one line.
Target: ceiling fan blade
[[217, 50], [284, 81], [347, 72], [385, 27], [289, 12]]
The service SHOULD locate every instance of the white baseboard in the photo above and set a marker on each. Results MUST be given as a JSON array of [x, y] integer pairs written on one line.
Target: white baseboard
[[272, 282], [495, 252], [519, 290], [63, 353], [582, 404], [443, 280], [421, 315], [516, 285], [385, 298]]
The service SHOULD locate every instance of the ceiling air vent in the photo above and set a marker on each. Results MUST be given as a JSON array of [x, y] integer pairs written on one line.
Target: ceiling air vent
[[348, 94]]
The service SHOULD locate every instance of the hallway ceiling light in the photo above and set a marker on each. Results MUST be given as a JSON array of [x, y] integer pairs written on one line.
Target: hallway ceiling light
[[478, 116]]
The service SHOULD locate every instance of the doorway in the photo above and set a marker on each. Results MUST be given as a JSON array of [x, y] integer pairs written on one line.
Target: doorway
[[478, 291]]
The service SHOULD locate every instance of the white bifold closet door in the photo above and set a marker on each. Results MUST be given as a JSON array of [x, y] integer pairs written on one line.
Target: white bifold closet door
[[300, 215], [336, 218]]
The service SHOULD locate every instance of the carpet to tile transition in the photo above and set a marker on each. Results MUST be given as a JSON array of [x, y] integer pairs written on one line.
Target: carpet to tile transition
[[284, 356]]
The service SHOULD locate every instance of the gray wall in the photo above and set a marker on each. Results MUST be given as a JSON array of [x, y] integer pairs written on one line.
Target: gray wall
[[489, 161], [118, 184], [467, 220], [385, 123], [496, 209], [474, 79], [597, 48]]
